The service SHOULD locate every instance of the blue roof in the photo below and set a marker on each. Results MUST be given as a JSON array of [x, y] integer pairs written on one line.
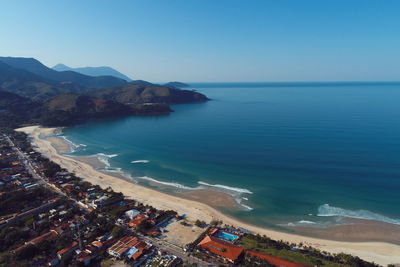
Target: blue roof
[[131, 251]]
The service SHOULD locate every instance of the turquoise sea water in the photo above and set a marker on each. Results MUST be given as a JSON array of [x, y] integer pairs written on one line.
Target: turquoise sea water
[[297, 153]]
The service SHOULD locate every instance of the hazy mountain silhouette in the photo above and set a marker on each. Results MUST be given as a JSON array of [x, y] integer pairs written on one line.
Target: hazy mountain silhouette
[[34, 66], [93, 71]]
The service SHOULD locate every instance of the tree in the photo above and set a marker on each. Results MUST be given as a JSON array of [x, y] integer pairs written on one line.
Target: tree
[[46, 245], [200, 224], [117, 231], [26, 253]]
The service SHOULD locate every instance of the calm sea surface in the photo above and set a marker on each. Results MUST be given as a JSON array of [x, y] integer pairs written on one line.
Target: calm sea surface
[[297, 153]]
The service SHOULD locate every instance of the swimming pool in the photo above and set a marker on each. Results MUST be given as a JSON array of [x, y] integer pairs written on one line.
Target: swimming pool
[[226, 236]]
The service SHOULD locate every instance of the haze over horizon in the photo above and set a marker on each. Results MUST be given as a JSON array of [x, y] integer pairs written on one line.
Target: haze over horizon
[[211, 41]]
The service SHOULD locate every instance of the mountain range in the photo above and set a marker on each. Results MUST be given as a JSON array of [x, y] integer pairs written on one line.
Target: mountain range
[[30, 92], [93, 71]]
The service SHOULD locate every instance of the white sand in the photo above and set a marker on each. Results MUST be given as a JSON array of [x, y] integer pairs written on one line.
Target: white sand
[[379, 252]]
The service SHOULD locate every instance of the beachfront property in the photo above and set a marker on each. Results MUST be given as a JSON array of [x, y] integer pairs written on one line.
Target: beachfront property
[[227, 251], [276, 261]]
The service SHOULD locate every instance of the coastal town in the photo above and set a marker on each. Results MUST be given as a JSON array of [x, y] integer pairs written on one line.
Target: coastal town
[[50, 217], [200, 133]]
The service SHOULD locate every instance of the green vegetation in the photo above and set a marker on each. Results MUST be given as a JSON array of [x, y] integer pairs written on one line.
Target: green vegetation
[[176, 85], [309, 256], [141, 94], [200, 224], [117, 231], [17, 201], [51, 82], [31, 93]]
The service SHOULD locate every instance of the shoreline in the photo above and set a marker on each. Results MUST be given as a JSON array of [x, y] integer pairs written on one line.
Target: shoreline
[[379, 252]]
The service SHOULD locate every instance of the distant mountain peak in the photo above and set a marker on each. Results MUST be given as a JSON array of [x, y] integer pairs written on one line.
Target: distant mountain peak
[[93, 71], [61, 67]]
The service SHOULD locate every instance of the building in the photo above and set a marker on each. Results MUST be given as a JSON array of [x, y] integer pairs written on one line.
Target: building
[[51, 235], [129, 246], [137, 220], [68, 250], [273, 259], [130, 214], [227, 251]]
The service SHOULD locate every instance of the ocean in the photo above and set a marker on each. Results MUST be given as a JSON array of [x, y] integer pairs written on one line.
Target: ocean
[[291, 154]]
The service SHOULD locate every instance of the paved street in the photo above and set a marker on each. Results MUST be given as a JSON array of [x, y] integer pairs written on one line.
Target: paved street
[[159, 243]]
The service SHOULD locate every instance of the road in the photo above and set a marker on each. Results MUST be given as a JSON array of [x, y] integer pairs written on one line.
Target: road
[[159, 243], [31, 169]]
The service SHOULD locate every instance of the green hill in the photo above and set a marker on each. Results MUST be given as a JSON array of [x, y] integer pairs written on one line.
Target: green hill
[[30, 85], [140, 94]]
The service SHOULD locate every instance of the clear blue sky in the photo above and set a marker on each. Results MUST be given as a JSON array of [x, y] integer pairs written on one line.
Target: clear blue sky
[[211, 40]]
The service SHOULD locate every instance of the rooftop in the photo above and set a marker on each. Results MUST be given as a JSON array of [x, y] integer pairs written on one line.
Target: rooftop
[[220, 247]]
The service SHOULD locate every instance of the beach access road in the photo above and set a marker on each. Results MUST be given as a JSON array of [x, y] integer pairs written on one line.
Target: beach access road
[[40, 179]]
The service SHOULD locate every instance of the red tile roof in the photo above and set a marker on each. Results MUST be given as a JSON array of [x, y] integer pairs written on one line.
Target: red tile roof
[[213, 231], [220, 247], [67, 249], [137, 220], [51, 235], [97, 244], [274, 260], [123, 245]]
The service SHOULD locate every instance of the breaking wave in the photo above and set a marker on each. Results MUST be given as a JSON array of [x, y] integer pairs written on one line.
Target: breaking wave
[[104, 158], [140, 161], [72, 146], [246, 206], [229, 188], [166, 183], [180, 186], [327, 211], [318, 224], [306, 222]]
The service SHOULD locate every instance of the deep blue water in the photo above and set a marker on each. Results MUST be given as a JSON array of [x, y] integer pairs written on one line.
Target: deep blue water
[[289, 149]]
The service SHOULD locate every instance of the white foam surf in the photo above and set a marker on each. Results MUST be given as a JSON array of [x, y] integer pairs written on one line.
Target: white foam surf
[[329, 211], [246, 207], [180, 186], [229, 188], [73, 147], [140, 161], [306, 222], [104, 158]]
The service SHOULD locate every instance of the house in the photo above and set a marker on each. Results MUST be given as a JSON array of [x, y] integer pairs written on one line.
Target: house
[[122, 246], [130, 214], [85, 257], [226, 250], [51, 235], [137, 250], [90, 252], [137, 220], [68, 250], [129, 246]]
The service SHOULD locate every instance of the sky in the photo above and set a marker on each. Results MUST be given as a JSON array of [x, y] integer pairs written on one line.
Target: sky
[[211, 40]]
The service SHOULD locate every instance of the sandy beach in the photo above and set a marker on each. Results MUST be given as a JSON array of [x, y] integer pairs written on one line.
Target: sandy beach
[[379, 252]]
